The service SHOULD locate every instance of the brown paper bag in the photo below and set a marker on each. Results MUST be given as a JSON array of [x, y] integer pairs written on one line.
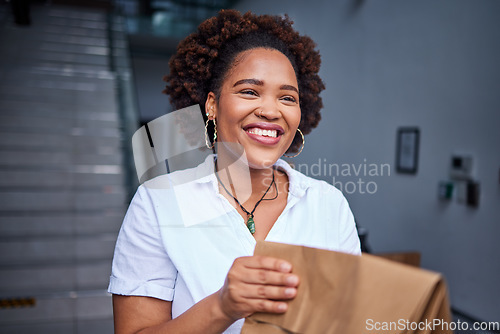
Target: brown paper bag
[[348, 294]]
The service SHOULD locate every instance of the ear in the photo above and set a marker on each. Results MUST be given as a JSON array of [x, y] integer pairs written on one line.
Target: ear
[[211, 106]]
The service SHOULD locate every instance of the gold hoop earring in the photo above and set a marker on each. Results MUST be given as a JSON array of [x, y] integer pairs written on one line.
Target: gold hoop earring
[[207, 141], [301, 148]]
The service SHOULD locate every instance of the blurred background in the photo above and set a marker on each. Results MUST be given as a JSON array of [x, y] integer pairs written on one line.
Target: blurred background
[[410, 133]]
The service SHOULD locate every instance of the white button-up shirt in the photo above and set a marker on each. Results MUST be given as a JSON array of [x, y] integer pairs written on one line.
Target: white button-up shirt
[[180, 236]]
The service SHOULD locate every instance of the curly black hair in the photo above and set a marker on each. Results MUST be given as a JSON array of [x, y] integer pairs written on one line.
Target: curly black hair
[[204, 58]]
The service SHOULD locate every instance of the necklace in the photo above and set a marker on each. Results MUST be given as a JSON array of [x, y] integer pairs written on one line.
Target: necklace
[[250, 221]]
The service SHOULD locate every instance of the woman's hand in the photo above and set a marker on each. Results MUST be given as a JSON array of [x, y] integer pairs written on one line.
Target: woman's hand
[[257, 284], [253, 284]]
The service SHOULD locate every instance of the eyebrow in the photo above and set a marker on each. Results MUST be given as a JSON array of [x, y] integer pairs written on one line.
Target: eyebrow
[[289, 87], [261, 83]]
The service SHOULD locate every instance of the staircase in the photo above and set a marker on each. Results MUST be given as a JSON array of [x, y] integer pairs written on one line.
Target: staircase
[[63, 185]]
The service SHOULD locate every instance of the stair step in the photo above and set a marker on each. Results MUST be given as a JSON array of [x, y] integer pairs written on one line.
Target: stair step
[[54, 278], [57, 109], [40, 123], [56, 249], [79, 71], [107, 220], [56, 159], [94, 326], [63, 138], [72, 22], [62, 142], [34, 179], [47, 201], [62, 308], [37, 81], [57, 78], [74, 31], [82, 14], [19, 56], [65, 96], [40, 35]]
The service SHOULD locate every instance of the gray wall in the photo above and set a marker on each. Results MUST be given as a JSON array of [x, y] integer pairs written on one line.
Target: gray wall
[[148, 73], [431, 64]]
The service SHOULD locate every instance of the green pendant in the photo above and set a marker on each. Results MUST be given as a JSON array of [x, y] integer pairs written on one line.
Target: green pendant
[[251, 224]]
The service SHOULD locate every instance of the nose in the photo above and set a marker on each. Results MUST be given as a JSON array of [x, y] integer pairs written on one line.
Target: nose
[[268, 110]]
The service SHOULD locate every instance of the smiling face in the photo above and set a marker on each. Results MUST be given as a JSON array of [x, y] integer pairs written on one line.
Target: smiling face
[[258, 107]]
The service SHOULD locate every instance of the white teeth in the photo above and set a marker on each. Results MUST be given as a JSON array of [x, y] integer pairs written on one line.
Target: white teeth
[[262, 132]]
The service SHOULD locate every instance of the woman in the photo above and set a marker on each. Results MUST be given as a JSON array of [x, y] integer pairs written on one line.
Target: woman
[[183, 261]]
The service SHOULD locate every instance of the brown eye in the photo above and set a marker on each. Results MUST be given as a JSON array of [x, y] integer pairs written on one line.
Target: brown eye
[[248, 92], [289, 99]]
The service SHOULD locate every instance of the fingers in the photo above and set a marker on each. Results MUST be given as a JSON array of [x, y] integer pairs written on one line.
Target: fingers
[[266, 262], [265, 270], [256, 291], [258, 284], [262, 276], [268, 306]]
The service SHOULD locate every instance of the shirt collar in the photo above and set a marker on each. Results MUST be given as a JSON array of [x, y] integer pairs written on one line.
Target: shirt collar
[[298, 183], [205, 171]]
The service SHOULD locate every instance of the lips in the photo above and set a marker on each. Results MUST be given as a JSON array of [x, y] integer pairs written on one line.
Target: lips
[[264, 133]]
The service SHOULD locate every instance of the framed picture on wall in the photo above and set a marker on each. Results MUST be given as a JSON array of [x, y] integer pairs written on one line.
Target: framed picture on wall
[[407, 150]]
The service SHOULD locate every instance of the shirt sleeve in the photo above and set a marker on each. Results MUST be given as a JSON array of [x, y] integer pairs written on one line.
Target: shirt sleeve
[[141, 265], [348, 234]]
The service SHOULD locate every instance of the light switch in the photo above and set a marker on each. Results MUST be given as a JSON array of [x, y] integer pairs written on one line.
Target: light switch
[[461, 167]]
